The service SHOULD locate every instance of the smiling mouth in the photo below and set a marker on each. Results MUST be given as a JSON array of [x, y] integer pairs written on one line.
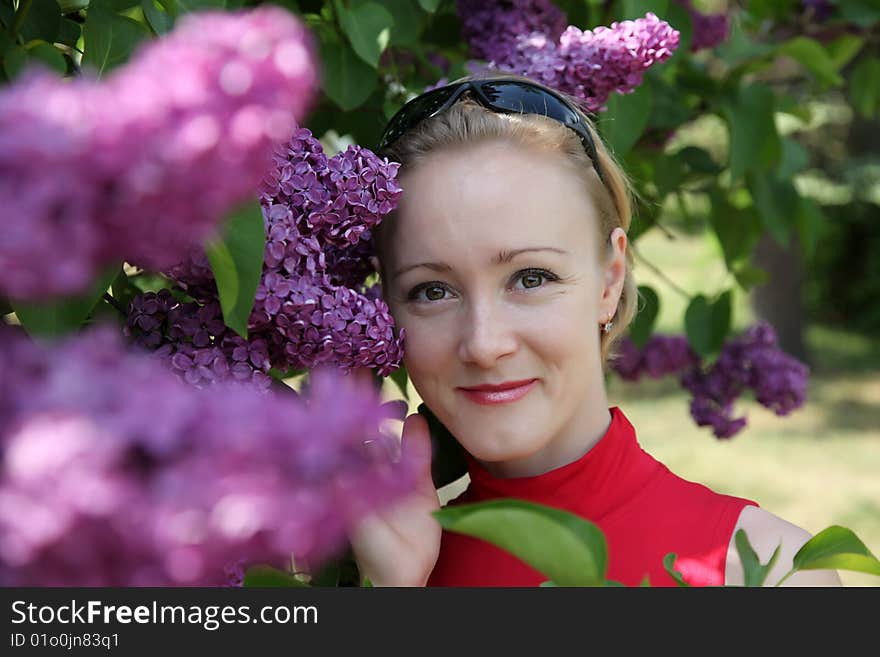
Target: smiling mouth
[[503, 394]]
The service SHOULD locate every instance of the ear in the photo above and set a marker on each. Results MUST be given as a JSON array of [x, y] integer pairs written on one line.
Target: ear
[[613, 274]]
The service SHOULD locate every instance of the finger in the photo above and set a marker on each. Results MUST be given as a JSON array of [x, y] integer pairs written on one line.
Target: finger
[[416, 443]]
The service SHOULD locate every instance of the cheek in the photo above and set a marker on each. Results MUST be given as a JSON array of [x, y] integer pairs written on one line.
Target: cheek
[[427, 350]]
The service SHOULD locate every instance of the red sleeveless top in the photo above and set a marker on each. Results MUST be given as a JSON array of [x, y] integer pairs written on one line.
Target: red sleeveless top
[[644, 510]]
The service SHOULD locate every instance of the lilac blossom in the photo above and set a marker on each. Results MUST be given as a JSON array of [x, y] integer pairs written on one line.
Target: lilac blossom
[[751, 361], [588, 65], [143, 164], [115, 473], [311, 306], [707, 30], [492, 28]]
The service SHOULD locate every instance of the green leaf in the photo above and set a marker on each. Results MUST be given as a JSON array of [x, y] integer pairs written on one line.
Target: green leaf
[[157, 17], [707, 324], [810, 54], [865, 13], [810, 223], [409, 22], [738, 230], [569, 550], [864, 86], [399, 376], [42, 21], [266, 576], [777, 203], [188, 6], [748, 276], [69, 32], [794, 159], [368, 28], [754, 141], [754, 573], [48, 55], [236, 259], [625, 119], [643, 325], [14, 59], [109, 38], [448, 462], [669, 565], [429, 6], [836, 548], [348, 80], [632, 9], [71, 6], [699, 160], [844, 48], [56, 318]]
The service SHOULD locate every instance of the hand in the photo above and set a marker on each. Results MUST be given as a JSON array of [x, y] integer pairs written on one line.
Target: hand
[[399, 545]]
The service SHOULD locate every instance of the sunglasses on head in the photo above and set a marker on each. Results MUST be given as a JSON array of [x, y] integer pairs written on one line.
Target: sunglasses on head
[[501, 95]]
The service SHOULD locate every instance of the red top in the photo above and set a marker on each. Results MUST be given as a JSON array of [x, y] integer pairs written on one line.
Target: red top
[[644, 510]]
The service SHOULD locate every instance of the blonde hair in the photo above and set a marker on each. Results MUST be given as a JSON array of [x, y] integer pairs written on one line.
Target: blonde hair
[[469, 122]]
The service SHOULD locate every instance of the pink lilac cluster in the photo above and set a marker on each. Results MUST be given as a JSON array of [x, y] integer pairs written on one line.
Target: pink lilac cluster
[[707, 30], [591, 65], [142, 165], [588, 65], [311, 306], [491, 28], [115, 473]]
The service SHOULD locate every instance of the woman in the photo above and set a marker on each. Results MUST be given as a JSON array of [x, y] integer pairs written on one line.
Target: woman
[[507, 264]]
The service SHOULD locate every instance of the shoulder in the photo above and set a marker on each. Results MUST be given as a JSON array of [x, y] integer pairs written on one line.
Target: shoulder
[[765, 532]]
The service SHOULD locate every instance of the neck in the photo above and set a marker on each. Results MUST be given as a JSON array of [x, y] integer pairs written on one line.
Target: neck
[[577, 438]]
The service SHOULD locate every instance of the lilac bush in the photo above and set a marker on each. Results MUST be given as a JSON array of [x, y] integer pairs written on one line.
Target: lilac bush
[[138, 479], [142, 165]]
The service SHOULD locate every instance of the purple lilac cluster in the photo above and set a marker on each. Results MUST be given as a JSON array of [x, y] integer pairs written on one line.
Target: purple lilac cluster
[[588, 65], [661, 356], [195, 342], [311, 307], [707, 30], [753, 361], [142, 165], [115, 473], [491, 28], [819, 10]]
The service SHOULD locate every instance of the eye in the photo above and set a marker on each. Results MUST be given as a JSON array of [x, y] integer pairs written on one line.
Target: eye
[[533, 278], [433, 292]]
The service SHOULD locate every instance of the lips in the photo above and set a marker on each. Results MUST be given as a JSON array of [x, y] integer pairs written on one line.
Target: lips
[[504, 393]]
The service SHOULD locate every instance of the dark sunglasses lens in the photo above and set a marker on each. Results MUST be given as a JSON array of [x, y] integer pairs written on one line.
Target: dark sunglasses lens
[[513, 96], [414, 112]]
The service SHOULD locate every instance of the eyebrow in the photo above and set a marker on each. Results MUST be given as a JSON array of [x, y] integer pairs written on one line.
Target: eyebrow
[[502, 257]]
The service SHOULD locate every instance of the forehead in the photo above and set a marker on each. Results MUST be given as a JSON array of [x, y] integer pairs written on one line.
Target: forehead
[[491, 195]]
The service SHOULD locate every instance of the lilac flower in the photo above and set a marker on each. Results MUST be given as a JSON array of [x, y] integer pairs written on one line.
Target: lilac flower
[[662, 355], [142, 165], [310, 307], [707, 30], [530, 39], [750, 361], [491, 28], [115, 473]]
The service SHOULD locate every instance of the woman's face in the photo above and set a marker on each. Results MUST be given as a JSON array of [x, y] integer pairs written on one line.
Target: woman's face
[[493, 271]]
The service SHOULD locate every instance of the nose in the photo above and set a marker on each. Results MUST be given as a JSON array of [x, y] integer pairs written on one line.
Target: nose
[[486, 335]]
